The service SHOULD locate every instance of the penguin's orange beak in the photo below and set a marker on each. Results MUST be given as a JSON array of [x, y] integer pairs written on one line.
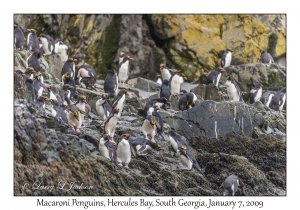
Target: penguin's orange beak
[[163, 149], [184, 152]]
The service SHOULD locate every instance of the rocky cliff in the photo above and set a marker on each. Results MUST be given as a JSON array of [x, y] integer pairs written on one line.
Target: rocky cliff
[[191, 43]]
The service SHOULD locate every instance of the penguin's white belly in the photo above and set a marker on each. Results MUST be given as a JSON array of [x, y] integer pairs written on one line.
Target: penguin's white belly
[[147, 128], [83, 73], [269, 100], [281, 106], [53, 112], [121, 104], [232, 92], [173, 143], [103, 150], [27, 61], [100, 110], [62, 51], [28, 38], [258, 95], [228, 59], [123, 152], [45, 46], [159, 81], [140, 146], [111, 126], [165, 74], [175, 85], [123, 73], [186, 161], [40, 92], [217, 79], [52, 96]]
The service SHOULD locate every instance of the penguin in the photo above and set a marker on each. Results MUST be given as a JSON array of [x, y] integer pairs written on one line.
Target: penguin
[[166, 73], [188, 159], [119, 101], [107, 149], [266, 97], [33, 61], [111, 123], [54, 95], [40, 102], [103, 108], [158, 79], [29, 85], [165, 90], [226, 58], [278, 100], [67, 79], [39, 87], [74, 118], [233, 90], [19, 37], [47, 44], [256, 93], [57, 42], [177, 140], [123, 151], [187, 101], [69, 66], [231, 184], [65, 94], [159, 129], [266, 58], [81, 104], [124, 69], [64, 51], [86, 71], [158, 101], [111, 86], [140, 145], [33, 43], [215, 75], [29, 74], [150, 126], [175, 83], [57, 111]]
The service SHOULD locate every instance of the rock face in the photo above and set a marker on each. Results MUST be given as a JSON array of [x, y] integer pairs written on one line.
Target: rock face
[[191, 43]]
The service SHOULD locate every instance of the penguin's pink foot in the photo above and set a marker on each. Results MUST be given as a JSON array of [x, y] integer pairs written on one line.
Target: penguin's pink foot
[[119, 122], [126, 165], [120, 164], [77, 130], [153, 140], [142, 154], [185, 169]]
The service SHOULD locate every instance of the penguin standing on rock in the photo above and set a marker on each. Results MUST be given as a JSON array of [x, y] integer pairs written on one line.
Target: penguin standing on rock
[[231, 184], [33, 61], [266, 58], [103, 108], [74, 118], [188, 159], [175, 82], [111, 123], [215, 75], [156, 101], [166, 73], [67, 79], [233, 90], [256, 93], [177, 140], [57, 111], [226, 58], [140, 145], [158, 79], [267, 97], [40, 102], [33, 43], [47, 44], [54, 95], [187, 101], [119, 101], [19, 37], [64, 51], [124, 69], [159, 129], [69, 67], [81, 104], [39, 87], [149, 127], [29, 85], [123, 151], [107, 149], [111, 83], [278, 100], [29, 73], [165, 90], [65, 94]]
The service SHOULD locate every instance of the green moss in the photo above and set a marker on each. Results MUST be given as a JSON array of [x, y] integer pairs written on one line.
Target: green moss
[[273, 79], [109, 46]]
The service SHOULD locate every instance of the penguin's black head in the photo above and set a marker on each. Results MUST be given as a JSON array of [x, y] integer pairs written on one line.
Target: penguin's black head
[[67, 75], [30, 69], [116, 110], [125, 92], [106, 137], [16, 25], [32, 30], [122, 54], [161, 66], [158, 147], [220, 69], [68, 86], [76, 115], [156, 107], [229, 49], [258, 85], [104, 96], [37, 75], [166, 82], [71, 59], [182, 149], [82, 98]]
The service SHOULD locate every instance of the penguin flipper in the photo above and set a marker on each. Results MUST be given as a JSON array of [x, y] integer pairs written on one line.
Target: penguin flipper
[[142, 148]]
